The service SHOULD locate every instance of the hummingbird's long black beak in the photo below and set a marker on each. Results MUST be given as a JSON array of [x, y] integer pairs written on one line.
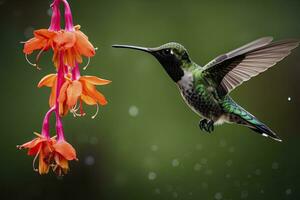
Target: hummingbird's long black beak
[[149, 50]]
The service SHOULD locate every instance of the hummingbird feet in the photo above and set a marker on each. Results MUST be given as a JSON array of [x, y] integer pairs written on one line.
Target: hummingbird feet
[[206, 125]]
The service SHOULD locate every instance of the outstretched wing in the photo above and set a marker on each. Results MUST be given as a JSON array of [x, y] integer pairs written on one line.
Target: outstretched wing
[[230, 70]]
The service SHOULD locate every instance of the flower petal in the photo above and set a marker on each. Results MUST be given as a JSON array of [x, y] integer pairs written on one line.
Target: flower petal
[[44, 34], [65, 149], [88, 100], [47, 81], [83, 45], [43, 165], [63, 97], [65, 40], [92, 92], [95, 80], [52, 95], [73, 92], [34, 44]]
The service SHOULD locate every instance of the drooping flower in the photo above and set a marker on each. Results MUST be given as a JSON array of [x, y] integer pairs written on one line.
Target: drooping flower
[[42, 148], [43, 39], [68, 87], [75, 44], [63, 152], [72, 41], [74, 91]]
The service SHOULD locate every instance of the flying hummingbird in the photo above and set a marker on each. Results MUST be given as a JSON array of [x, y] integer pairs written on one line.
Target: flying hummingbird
[[206, 88]]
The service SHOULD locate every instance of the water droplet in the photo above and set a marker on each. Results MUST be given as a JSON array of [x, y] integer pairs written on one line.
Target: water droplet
[[223, 143], [89, 160], [229, 163], [154, 147], [244, 194], [228, 176], [152, 176], [175, 163], [204, 161], [289, 98], [209, 172], [175, 195], [257, 172], [218, 196], [237, 183], [275, 165], [204, 185], [288, 191], [197, 167], [133, 111], [231, 149], [157, 191], [199, 147]]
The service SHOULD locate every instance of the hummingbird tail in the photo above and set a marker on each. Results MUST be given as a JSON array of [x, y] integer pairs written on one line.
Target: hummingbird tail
[[248, 120], [240, 116], [265, 131]]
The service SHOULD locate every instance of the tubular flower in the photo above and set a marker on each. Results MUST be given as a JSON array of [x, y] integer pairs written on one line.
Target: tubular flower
[[75, 44], [82, 90], [41, 147], [63, 152], [68, 87], [72, 91]]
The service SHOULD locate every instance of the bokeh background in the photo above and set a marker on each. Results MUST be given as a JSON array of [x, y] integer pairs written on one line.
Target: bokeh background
[[146, 144]]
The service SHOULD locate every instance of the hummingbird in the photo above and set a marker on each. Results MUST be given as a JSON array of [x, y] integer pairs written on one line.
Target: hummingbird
[[206, 89]]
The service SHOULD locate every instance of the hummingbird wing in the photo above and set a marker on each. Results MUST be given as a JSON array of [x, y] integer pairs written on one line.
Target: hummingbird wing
[[230, 70]]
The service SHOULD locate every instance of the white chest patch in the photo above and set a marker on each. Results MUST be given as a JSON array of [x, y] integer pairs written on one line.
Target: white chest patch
[[186, 81]]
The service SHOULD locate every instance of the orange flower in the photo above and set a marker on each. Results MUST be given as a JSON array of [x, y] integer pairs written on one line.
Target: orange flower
[[74, 44], [71, 91], [42, 40], [49, 81], [42, 147], [83, 89], [63, 152]]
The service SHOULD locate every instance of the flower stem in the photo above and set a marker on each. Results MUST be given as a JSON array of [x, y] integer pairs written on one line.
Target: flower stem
[[45, 127], [60, 81], [55, 18], [68, 17]]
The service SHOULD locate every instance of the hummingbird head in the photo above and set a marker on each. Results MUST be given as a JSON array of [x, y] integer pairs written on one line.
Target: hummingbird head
[[172, 56]]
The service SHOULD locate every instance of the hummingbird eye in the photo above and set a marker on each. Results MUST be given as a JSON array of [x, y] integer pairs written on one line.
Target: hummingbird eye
[[167, 51]]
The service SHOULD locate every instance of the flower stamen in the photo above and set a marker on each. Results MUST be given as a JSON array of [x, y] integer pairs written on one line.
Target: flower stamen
[[38, 58], [33, 162], [32, 64], [94, 116], [87, 64]]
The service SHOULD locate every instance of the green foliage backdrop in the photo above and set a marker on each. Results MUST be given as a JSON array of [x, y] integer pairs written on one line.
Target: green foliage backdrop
[[146, 144]]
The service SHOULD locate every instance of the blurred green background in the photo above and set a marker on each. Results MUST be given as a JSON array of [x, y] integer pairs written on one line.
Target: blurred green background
[[146, 144]]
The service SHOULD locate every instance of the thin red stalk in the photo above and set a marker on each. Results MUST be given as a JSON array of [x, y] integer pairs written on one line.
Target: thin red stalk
[[60, 81], [68, 17], [55, 18], [45, 127]]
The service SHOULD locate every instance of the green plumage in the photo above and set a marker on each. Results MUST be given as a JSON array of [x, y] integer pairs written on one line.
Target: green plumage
[[206, 89]]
